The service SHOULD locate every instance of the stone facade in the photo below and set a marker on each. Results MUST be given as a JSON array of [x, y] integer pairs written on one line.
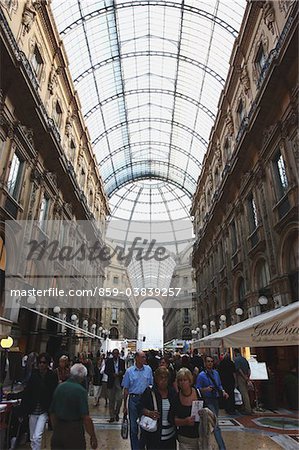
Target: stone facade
[[246, 204]]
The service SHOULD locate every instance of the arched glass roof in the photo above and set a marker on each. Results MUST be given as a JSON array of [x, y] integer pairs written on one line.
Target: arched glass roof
[[149, 74]]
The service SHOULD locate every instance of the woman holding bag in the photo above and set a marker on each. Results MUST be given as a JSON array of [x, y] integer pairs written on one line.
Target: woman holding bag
[[164, 438]]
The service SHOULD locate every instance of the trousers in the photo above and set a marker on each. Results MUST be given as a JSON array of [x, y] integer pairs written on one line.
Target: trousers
[[213, 405], [36, 426]]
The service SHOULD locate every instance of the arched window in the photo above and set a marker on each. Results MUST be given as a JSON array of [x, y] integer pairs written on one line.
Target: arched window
[[113, 333], [186, 335], [241, 291], [262, 275]]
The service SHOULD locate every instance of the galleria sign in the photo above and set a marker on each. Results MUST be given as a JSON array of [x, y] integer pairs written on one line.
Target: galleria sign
[[275, 329]]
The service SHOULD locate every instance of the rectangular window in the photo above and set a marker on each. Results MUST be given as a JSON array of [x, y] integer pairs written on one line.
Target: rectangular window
[[185, 280], [186, 315], [14, 177], [72, 152], [37, 62], [241, 112], [114, 315], [115, 280], [252, 213], [43, 213], [234, 237], [260, 59], [280, 175], [57, 114]]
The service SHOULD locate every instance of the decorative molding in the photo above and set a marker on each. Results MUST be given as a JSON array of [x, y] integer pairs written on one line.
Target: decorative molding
[[11, 6]]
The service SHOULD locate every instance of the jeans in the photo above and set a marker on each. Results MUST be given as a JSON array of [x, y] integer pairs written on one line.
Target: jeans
[[134, 409], [213, 405], [36, 426]]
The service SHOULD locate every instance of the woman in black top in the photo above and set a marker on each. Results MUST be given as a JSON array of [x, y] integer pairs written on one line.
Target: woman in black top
[[188, 429], [165, 436]]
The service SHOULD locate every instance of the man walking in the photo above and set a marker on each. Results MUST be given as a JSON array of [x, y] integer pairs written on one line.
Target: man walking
[[137, 378], [70, 415], [115, 369], [37, 398], [243, 375], [209, 383]]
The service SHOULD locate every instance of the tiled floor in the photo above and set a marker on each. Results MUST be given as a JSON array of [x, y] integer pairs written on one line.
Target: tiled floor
[[239, 432]]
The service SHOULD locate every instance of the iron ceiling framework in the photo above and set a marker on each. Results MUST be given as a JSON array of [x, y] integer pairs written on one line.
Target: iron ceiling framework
[[149, 74]]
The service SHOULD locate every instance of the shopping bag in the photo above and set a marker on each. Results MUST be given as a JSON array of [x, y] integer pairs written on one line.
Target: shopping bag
[[238, 397], [124, 431]]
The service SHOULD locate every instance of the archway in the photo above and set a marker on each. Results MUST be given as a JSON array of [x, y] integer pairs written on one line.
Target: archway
[[150, 327]]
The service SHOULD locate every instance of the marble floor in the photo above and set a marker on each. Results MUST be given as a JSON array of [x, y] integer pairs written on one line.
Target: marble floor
[[264, 431]]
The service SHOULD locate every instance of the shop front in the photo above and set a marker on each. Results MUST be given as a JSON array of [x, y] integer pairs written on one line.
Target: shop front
[[273, 338]]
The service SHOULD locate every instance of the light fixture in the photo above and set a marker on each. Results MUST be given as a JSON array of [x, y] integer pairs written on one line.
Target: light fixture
[[74, 317], [197, 330], [239, 311], [31, 299], [193, 331], [263, 300], [6, 342], [212, 323], [93, 326], [100, 329], [204, 327], [223, 317], [56, 309], [85, 323]]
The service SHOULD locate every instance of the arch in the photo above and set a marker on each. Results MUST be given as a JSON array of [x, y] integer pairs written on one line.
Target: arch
[[192, 9], [188, 99], [261, 274], [186, 334], [113, 333], [146, 176], [150, 119], [289, 260], [141, 53]]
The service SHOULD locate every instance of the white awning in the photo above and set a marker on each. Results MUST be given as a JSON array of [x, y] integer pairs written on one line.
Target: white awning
[[279, 327], [5, 327]]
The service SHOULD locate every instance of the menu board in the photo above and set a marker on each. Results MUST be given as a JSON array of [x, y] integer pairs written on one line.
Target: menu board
[[258, 370]]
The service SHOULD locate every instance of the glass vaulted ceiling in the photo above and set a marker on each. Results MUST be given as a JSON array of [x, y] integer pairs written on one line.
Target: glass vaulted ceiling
[[149, 76]]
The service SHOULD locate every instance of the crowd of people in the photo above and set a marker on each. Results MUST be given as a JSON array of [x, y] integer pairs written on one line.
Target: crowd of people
[[161, 387]]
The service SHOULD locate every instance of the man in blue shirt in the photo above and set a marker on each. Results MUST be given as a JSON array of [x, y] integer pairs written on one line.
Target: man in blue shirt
[[209, 383], [137, 378]]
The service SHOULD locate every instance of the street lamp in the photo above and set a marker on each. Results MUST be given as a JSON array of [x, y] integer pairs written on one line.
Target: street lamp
[[5, 343], [212, 323], [204, 327], [74, 317], [31, 299], [263, 300], [223, 318], [239, 311], [56, 309]]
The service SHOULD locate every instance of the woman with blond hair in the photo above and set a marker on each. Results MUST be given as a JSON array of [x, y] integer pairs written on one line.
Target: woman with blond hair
[[63, 369], [192, 433]]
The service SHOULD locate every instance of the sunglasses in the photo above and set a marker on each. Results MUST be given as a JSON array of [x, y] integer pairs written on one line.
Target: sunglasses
[[43, 362]]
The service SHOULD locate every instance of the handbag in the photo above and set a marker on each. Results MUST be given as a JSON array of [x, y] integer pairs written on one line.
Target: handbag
[[238, 397], [124, 431], [147, 423]]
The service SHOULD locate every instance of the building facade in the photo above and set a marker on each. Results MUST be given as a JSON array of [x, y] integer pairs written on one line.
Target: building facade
[[48, 178]]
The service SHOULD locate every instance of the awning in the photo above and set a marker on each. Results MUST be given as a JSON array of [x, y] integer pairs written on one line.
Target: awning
[[5, 327], [279, 327]]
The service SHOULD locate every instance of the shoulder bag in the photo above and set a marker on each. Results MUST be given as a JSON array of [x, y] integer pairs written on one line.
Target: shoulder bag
[[147, 423]]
